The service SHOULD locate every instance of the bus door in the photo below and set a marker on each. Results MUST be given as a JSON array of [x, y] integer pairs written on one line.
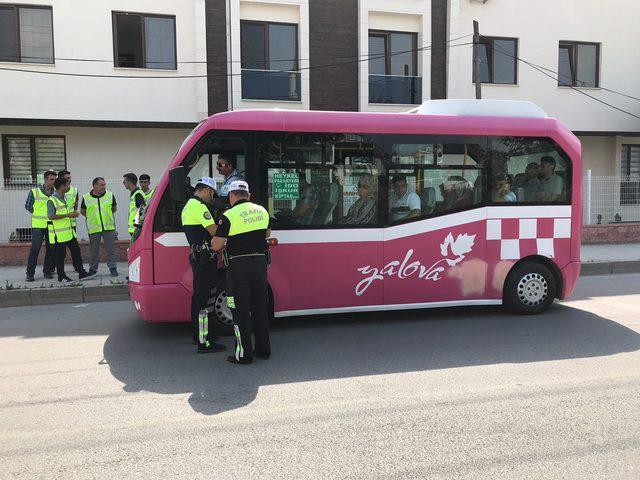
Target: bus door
[[170, 248], [434, 248]]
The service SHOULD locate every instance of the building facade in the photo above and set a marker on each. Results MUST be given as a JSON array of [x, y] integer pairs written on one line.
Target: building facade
[[112, 87]]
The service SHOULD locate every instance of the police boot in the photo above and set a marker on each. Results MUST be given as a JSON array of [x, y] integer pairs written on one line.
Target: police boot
[[211, 347]]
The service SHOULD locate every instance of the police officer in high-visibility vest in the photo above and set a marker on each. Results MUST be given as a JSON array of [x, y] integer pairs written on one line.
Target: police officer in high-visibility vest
[[199, 227], [136, 199], [245, 228], [36, 205], [145, 182], [99, 207], [61, 232]]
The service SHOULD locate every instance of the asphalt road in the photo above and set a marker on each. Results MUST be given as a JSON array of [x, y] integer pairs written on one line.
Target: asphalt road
[[90, 391]]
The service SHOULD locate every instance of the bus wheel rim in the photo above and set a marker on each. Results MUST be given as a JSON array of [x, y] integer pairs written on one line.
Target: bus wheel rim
[[532, 289], [223, 312]]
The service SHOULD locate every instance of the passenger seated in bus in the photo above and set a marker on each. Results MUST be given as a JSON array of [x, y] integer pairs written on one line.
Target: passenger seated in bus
[[502, 189], [551, 185], [531, 184], [303, 212], [456, 193], [403, 203], [365, 209]]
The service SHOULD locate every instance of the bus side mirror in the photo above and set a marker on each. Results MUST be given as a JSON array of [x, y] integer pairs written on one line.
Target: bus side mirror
[[178, 184]]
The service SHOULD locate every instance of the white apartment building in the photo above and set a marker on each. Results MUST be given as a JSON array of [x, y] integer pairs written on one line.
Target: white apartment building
[[143, 72], [143, 86]]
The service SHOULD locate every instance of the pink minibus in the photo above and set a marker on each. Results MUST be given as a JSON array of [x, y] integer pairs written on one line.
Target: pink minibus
[[458, 202]]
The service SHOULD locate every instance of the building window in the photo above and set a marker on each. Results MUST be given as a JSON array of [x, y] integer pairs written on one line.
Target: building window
[[144, 41], [26, 34], [393, 68], [579, 64], [27, 156], [630, 173], [499, 60], [269, 60]]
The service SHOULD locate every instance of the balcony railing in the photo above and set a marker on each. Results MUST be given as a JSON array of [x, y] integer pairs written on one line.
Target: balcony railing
[[270, 85], [395, 89]]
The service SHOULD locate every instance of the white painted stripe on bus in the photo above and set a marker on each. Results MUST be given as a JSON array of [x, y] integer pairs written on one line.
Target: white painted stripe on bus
[[530, 211], [173, 239], [329, 235], [378, 308]]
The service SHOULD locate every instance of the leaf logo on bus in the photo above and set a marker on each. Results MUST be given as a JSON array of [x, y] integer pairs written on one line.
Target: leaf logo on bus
[[461, 245], [453, 252]]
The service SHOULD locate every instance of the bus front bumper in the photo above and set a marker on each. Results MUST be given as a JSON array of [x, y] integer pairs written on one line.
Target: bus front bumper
[[169, 302], [570, 274]]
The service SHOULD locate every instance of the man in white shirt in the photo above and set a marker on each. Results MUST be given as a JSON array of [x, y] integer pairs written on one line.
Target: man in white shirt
[[403, 204], [551, 185]]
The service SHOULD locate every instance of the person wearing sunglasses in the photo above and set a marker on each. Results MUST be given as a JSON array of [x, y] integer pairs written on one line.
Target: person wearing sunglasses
[[365, 210], [226, 166]]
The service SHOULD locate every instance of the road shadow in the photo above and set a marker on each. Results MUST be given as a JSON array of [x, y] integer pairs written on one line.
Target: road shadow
[[159, 358]]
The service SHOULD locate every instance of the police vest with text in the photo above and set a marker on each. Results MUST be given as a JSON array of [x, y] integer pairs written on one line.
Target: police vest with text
[[247, 217]]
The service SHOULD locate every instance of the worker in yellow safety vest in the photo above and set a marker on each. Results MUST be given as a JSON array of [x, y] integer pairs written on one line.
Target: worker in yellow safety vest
[[36, 205], [145, 182], [136, 198], [62, 234], [99, 207]]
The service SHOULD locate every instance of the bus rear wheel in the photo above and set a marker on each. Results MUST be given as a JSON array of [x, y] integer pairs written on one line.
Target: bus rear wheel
[[530, 289]]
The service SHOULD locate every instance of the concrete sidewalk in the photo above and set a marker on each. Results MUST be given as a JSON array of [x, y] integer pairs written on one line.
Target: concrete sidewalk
[[15, 291]]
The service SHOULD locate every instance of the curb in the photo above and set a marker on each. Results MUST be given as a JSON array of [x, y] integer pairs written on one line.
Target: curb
[[22, 297], [608, 268]]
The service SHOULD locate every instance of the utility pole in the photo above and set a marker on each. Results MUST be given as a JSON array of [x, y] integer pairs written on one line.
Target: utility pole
[[476, 60]]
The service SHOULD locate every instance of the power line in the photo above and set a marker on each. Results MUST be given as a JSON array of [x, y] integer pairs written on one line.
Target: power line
[[90, 75], [215, 62], [568, 77], [542, 70]]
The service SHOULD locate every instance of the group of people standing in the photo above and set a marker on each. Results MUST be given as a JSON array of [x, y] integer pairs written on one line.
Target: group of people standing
[[54, 212]]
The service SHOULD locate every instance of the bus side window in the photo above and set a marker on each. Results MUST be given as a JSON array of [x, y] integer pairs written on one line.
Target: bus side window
[[529, 170]]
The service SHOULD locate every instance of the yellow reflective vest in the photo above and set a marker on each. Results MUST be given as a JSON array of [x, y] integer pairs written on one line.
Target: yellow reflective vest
[[132, 208], [99, 213], [61, 230], [39, 218], [71, 197], [247, 217], [148, 195]]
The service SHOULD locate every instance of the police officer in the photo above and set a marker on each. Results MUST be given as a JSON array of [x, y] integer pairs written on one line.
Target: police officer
[[199, 227], [245, 226]]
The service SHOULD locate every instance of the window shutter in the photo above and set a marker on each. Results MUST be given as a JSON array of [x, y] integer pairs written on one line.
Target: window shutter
[[50, 154], [19, 151]]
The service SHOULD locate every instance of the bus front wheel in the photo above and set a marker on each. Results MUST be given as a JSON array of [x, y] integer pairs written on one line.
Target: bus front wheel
[[530, 289], [221, 312]]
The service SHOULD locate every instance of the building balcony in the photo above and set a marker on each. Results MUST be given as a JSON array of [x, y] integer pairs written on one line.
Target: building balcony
[[395, 89], [270, 85]]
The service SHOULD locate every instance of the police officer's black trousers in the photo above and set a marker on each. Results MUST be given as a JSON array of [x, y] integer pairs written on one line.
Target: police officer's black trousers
[[204, 282], [247, 297]]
